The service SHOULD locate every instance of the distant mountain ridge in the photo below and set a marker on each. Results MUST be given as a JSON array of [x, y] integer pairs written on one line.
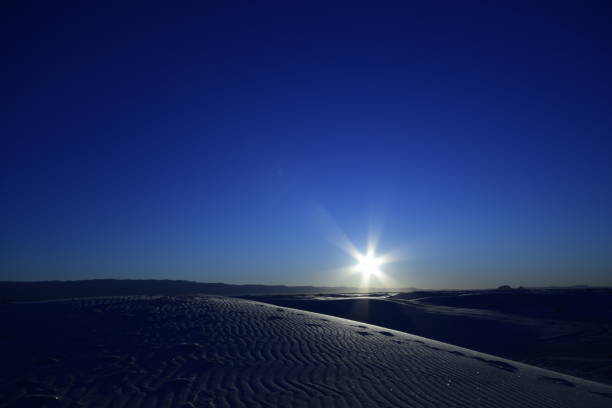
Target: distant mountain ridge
[[44, 290]]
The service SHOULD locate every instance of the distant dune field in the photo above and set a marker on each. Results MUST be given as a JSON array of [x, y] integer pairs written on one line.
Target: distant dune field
[[220, 352]]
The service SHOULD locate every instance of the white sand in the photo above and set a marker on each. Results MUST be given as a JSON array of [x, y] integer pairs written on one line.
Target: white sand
[[222, 352]]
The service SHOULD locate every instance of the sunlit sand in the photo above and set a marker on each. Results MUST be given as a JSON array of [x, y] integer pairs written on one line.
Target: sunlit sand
[[209, 351]]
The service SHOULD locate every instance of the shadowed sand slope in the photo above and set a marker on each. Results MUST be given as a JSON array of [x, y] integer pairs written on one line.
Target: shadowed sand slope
[[222, 352]]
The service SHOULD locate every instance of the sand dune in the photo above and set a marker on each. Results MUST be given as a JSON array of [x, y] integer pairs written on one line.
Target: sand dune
[[222, 352], [528, 326]]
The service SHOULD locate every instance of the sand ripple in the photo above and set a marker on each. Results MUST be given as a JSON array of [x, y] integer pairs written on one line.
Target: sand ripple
[[219, 352]]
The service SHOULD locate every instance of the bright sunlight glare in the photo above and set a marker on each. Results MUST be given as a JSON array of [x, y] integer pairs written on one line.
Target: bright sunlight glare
[[368, 264]]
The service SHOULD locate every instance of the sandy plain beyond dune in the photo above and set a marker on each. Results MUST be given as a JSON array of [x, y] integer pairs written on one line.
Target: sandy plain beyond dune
[[224, 352]]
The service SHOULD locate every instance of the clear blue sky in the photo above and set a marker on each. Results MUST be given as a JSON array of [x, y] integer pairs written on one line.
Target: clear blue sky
[[200, 141]]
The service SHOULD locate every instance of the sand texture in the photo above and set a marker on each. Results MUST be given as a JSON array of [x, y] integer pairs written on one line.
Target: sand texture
[[564, 330], [223, 352]]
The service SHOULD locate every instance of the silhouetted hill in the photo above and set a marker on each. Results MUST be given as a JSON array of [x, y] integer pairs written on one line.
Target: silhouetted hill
[[27, 291]]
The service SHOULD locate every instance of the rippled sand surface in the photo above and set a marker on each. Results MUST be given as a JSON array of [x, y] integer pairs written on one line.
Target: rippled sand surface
[[224, 352]]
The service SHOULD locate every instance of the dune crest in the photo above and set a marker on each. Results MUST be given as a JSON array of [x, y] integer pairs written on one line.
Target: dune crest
[[224, 352]]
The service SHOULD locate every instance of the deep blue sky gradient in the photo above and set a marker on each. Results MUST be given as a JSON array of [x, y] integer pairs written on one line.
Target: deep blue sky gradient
[[200, 141]]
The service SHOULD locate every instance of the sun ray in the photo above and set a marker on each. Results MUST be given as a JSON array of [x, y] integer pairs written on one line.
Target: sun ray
[[334, 234], [368, 264]]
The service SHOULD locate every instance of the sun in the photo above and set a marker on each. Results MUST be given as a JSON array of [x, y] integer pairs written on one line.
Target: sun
[[368, 264]]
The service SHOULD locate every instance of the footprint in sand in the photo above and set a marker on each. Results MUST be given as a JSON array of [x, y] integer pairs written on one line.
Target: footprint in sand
[[497, 364], [558, 381]]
